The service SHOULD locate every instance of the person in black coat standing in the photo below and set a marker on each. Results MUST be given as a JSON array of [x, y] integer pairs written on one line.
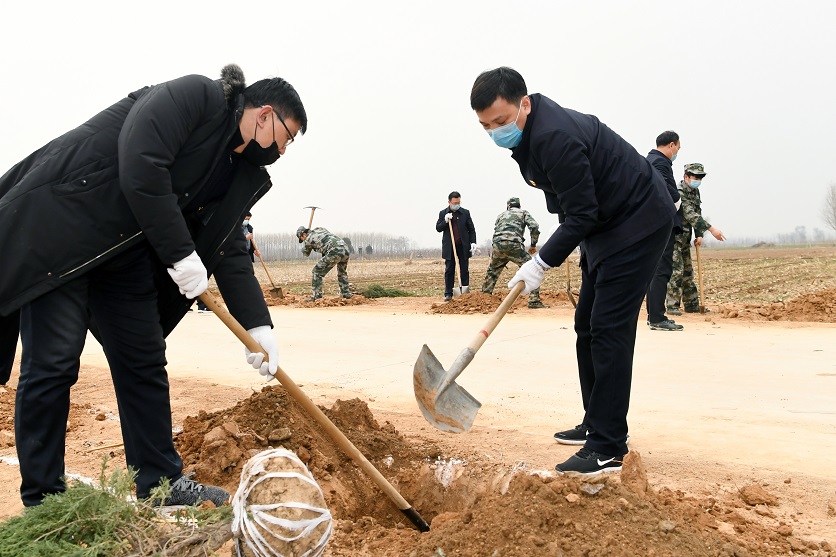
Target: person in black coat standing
[[465, 240], [136, 208], [662, 157], [611, 202]]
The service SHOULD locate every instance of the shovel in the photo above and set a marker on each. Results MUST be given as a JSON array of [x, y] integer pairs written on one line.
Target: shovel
[[699, 278], [313, 411], [445, 404], [277, 290], [569, 285], [461, 289]]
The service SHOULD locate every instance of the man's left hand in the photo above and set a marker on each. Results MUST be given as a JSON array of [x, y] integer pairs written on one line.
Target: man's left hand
[[532, 250], [263, 335], [532, 273]]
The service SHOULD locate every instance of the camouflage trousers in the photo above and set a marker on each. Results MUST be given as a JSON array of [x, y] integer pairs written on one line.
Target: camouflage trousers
[[681, 287], [501, 254], [324, 265]]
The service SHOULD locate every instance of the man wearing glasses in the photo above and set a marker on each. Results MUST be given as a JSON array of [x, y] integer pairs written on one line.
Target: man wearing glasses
[[136, 208]]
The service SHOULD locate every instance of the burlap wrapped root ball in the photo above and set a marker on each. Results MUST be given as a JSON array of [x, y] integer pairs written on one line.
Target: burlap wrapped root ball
[[279, 509]]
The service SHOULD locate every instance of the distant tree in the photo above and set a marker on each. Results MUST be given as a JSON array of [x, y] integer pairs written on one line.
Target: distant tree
[[828, 212], [369, 250], [348, 245]]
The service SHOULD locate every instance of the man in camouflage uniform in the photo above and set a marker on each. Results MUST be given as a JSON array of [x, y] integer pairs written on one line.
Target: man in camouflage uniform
[[508, 244], [334, 252], [681, 286]]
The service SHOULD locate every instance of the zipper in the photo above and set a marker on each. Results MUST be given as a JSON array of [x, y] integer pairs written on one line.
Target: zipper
[[231, 230], [122, 243]]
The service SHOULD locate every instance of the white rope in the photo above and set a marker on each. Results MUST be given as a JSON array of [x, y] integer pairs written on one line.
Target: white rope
[[249, 521]]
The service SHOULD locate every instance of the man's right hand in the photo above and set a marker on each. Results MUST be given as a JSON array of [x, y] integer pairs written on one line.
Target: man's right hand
[[190, 276], [448, 217]]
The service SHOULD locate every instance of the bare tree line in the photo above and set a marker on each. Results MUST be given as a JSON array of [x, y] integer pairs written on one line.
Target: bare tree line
[[283, 246]]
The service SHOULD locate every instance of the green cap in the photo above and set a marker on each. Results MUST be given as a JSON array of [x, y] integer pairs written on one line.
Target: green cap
[[299, 231], [695, 168], [514, 202]]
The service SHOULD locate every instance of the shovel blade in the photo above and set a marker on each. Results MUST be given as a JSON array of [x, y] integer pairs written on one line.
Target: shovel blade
[[452, 409], [465, 290], [457, 291]]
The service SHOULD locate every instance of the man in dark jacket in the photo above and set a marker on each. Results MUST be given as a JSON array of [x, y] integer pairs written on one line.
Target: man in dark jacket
[[662, 157], [610, 201], [464, 236], [136, 207]]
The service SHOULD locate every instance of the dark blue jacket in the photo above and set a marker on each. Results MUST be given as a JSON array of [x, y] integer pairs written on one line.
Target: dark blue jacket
[[467, 232], [664, 166], [606, 195]]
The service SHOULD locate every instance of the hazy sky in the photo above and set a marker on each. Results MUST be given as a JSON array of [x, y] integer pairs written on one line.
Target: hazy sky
[[749, 86]]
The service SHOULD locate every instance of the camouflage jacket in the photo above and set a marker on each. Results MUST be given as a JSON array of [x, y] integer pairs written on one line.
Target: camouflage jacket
[[510, 226], [691, 211], [319, 239]]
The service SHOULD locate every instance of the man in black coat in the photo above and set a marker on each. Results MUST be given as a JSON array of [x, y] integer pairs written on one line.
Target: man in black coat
[[610, 202], [136, 207], [465, 242], [662, 157]]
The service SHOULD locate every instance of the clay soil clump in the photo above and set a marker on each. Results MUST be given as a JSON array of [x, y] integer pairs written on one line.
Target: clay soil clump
[[817, 307], [478, 508]]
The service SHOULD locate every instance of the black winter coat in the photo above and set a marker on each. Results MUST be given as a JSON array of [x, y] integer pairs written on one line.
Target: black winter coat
[[606, 195], [124, 177], [467, 232], [664, 166]]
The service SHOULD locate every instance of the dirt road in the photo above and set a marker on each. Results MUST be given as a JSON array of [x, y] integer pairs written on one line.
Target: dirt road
[[722, 404]]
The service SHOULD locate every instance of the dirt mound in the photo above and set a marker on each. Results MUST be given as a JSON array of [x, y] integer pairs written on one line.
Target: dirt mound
[[299, 300], [480, 302], [479, 508], [816, 306]]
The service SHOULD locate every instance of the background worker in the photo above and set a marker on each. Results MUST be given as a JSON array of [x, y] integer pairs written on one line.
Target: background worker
[[135, 209], [610, 201], [464, 238], [662, 157], [508, 244], [681, 286], [334, 252]]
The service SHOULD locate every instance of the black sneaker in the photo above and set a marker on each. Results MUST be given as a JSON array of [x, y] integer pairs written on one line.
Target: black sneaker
[[696, 310], [186, 491], [666, 325], [673, 311], [589, 463], [448, 297], [346, 296], [537, 305], [574, 436], [313, 298]]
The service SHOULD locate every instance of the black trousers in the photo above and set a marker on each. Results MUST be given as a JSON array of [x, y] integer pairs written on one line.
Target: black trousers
[[658, 288], [120, 297], [450, 271], [605, 321]]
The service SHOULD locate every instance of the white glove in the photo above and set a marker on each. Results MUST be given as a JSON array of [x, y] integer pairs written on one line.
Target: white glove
[[678, 204], [531, 273], [448, 217], [190, 276], [264, 336], [472, 249]]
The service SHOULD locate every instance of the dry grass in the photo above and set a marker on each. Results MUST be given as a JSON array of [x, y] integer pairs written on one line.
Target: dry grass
[[751, 275]]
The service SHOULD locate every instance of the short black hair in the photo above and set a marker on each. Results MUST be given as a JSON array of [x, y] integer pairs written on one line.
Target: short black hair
[[453, 194], [666, 138], [502, 82], [248, 214], [279, 94]]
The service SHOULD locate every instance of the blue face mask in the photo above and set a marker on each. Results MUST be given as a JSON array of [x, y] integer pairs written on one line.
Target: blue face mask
[[673, 158], [695, 183], [508, 135]]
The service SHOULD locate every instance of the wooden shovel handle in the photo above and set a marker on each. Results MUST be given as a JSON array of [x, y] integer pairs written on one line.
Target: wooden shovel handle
[[273, 284], [494, 319], [699, 278], [313, 410]]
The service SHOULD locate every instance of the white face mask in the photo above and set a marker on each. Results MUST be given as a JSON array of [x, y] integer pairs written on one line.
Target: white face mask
[[246, 222]]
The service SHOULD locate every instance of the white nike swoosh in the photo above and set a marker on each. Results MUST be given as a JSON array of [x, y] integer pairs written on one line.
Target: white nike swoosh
[[602, 462]]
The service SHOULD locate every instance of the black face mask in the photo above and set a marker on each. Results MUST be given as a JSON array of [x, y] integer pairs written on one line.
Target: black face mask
[[258, 155]]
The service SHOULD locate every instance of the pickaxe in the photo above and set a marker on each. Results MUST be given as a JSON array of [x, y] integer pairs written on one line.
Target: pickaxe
[[313, 209]]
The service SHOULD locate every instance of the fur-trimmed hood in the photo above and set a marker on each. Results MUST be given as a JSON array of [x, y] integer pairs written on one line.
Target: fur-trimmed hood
[[233, 81]]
